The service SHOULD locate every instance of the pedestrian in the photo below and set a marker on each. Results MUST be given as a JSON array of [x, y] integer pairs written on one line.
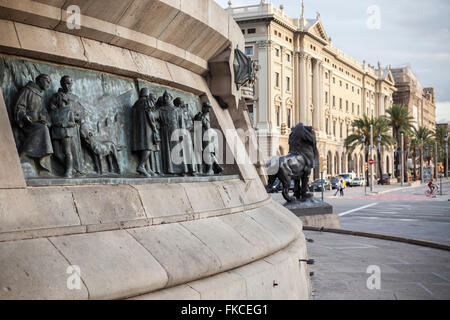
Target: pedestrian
[[341, 190], [338, 187]]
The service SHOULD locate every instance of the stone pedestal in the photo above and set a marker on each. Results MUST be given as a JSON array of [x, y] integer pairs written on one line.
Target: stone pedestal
[[314, 213], [130, 237]]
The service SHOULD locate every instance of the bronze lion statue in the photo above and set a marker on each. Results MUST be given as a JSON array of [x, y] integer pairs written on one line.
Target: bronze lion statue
[[296, 165]]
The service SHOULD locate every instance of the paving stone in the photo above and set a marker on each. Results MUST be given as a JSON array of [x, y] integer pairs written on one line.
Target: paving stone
[[106, 204], [34, 269], [113, 264], [184, 257], [229, 246]]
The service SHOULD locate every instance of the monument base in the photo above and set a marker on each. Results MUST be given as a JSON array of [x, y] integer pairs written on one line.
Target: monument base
[[314, 213]]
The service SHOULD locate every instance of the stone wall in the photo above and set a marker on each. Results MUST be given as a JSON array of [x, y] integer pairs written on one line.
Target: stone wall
[[106, 100], [219, 238]]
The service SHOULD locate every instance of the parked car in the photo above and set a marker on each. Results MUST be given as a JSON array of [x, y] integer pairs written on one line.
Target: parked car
[[348, 177], [384, 179], [317, 185], [276, 186], [334, 182], [358, 182]]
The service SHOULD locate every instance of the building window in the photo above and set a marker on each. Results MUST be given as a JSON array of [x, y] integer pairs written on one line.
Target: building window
[[277, 52], [334, 128], [346, 86], [288, 84], [250, 113], [334, 101], [334, 80], [277, 79], [340, 131], [340, 83], [288, 57], [326, 125], [358, 109], [278, 116], [358, 91], [289, 118], [243, 31], [353, 89], [353, 107], [326, 97], [340, 103], [326, 75], [346, 105], [252, 30], [249, 50]]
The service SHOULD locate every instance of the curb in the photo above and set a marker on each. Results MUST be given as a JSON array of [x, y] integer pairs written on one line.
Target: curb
[[419, 242]]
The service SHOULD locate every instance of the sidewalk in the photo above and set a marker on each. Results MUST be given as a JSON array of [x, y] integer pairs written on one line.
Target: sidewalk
[[406, 271], [383, 189]]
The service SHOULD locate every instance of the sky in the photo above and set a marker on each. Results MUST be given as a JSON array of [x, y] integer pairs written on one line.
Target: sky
[[414, 33]]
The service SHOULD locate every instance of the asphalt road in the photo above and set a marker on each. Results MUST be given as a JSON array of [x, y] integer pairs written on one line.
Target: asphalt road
[[407, 212], [406, 271]]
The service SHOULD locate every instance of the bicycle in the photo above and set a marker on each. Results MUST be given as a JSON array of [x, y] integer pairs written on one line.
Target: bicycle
[[432, 193]]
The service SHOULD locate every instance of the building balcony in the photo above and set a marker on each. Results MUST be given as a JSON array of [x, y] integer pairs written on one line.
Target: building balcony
[[262, 10], [248, 93]]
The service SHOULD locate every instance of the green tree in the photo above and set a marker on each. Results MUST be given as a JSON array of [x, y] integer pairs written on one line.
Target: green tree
[[361, 127], [419, 138], [439, 135], [401, 122]]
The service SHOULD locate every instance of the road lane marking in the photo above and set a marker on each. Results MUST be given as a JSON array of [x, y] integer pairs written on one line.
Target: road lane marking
[[357, 209], [424, 288], [439, 276]]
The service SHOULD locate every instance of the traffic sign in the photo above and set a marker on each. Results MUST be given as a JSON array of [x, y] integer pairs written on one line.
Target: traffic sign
[[370, 161]]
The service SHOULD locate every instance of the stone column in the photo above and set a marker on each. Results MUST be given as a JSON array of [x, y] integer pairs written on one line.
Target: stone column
[[308, 120], [315, 95], [381, 106], [303, 77], [321, 98], [296, 88], [264, 98]]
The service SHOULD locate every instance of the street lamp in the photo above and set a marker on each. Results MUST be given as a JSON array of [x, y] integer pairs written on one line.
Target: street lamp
[[421, 161], [379, 153], [363, 141], [371, 157], [435, 159], [446, 156], [402, 147]]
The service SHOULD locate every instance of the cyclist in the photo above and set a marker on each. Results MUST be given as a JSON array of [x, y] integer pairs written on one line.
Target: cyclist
[[432, 186]]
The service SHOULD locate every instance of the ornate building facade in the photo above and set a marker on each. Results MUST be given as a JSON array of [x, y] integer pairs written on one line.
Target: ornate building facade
[[421, 102], [304, 78]]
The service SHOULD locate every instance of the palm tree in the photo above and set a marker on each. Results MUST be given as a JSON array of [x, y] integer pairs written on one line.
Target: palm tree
[[401, 122], [420, 136], [381, 131], [361, 127], [439, 134]]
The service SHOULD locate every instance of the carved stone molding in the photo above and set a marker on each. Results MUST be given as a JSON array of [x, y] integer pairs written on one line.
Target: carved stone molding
[[264, 44]]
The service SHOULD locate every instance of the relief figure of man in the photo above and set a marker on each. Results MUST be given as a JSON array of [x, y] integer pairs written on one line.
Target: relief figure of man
[[66, 114], [32, 118], [187, 126], [145, 136]]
